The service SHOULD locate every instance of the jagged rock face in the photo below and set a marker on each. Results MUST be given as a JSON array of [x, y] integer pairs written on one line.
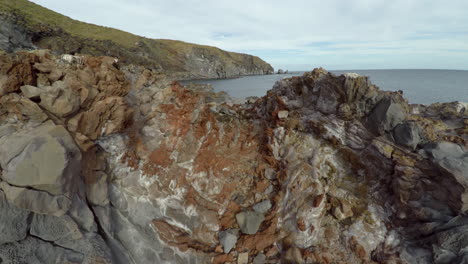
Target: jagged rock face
[[323, 169]]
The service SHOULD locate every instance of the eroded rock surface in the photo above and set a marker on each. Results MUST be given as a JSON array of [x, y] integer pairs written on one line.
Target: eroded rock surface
[[101, 164]]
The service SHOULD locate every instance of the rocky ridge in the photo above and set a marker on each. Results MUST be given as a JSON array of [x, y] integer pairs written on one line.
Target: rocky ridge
[[103, 163]]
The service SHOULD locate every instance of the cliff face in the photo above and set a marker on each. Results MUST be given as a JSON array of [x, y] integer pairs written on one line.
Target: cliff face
[[101, 164], [26, 25]]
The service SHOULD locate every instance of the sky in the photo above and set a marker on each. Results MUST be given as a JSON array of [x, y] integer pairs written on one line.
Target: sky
[[299, 34]]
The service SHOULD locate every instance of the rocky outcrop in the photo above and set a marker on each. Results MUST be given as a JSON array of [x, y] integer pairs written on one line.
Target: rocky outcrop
[[25, 25], [101, 164]]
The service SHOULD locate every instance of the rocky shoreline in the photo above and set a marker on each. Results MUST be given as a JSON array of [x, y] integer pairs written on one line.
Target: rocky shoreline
[[106, 163]]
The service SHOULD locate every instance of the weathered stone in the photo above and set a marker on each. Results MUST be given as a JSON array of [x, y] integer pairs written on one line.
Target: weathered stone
[[53, 228], [33, 250], [21, 108], [228, 239], [13, 221], [262, 207], [60, 99], [36, 201], [259, 259], [243, 258], [407, 134], [105, 117], [249, 221], [82, 215], [31, 92], [97, 192], [45, 158]]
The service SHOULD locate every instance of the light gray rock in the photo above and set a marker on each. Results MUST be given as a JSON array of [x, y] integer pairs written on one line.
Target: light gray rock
[[228, 239], [385, 116], [407, 134], [262, 207], [31, 92], [36, 201], [60, 99], [13, 221], [33, 250], [54, 229], [45, 158], [259, 259], [249, 221]]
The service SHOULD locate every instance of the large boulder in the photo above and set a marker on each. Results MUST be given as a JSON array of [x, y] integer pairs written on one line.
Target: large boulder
[[44, 158], [36, 201], [407, 134], [386, 115]]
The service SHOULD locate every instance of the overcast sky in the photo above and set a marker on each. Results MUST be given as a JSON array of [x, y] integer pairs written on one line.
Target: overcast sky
[[299, 34]]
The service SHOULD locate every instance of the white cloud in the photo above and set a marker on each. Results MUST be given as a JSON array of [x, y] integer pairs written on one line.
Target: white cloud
[[337, 33]]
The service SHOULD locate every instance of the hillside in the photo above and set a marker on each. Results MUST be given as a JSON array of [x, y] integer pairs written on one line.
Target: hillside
[[24, 24]]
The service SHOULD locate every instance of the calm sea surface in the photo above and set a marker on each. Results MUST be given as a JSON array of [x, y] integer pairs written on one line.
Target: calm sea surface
[[418, 86]]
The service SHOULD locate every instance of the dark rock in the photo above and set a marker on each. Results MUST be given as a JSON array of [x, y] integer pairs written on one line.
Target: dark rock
[[386, 115], [13, 37], [407, 134]]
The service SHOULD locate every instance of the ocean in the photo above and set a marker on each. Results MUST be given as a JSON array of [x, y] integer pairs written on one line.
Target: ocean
[[418, 86]]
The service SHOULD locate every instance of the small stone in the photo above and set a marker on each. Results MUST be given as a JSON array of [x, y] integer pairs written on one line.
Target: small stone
[[243, 258], [262, 207], [249, 221], [270, 173], [228, 239], [259, 259], [283, 114]]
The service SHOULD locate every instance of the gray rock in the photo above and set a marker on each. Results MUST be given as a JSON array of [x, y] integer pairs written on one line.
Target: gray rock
[[385, 116], [451, 157], [53, 228], [259, 259], [44, 158], [262, 207], [442, 150], [13, 221], [82, 215], [31, 92], [249, 221], [33, 250], [97, 192], [60, 99], [270, 173], [13, 37], [36, 201], [228, 239], [407, 134]]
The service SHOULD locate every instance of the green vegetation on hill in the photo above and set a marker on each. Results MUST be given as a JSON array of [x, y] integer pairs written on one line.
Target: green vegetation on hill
[[62, 34]]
